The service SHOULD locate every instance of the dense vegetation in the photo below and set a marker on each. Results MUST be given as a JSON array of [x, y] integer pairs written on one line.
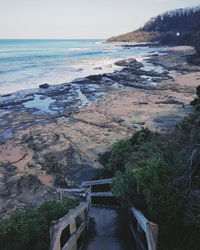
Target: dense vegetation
[[180, 26], [160, 175], [29, 230], [178, 20]]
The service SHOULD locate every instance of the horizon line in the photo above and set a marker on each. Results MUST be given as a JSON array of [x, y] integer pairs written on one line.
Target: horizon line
[[53, 38]]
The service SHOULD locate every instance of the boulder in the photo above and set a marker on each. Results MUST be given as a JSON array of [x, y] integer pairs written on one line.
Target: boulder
[[44, 86], [130, 63]]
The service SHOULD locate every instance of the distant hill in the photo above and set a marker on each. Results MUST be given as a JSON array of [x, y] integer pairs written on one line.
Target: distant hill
[[176, 27]]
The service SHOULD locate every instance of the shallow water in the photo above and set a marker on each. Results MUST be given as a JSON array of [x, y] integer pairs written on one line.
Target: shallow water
[[41, 104]]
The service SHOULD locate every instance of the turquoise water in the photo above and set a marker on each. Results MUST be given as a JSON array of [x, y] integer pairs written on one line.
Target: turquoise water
[[26, 64]]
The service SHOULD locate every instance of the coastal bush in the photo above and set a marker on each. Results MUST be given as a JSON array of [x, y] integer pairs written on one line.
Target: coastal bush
[[160, 175], [121, 152], [115, 159], [29, 230], [123, 187], [155, 181]]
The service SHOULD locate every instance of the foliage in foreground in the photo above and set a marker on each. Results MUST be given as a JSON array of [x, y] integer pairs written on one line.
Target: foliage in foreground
[[160, 175], [29, 230]]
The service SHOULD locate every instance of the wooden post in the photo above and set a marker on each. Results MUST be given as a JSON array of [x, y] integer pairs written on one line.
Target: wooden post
[[73, 230], [61, 195], [83, 215], [55, 234], [69, 220], [90, 191], [151, 235], [150, 229], [154, 230], [73, 226]]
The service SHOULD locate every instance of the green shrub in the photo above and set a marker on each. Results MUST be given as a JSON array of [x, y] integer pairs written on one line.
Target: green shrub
[[141, 136], [26, 230], [159, 174], [123, 187], [29, 230], [156, 184], [115, 159]]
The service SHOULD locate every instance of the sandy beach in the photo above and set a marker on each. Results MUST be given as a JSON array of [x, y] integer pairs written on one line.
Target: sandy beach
[[44, 151]]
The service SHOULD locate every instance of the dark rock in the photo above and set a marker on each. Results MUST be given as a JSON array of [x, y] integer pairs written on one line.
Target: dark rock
[[98, 68], [42, 97], [94, 77], [130, 63], [129, 46], [7, 95], [118, 120], [84, 81], [31, 165], [27, 182], [142, 103], [44, 86], [158, 120], [27, 138], [139, 123], [60, 181], [5, 168], [170, 101], [10, 168]]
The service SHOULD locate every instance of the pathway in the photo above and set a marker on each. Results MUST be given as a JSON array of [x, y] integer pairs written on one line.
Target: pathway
[[108, 230]]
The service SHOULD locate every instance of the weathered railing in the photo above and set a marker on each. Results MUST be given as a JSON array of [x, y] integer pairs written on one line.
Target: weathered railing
[[150, 229], [80, 192], [96, 182], [89, 184], [69, 220]]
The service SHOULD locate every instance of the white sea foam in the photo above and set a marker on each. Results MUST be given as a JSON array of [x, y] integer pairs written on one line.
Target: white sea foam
[[77, 49]]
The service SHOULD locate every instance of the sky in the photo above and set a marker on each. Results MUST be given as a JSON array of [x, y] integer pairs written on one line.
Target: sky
[[74, 19]]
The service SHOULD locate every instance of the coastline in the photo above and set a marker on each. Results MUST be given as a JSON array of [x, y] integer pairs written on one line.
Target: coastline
[[44, 150], [105, 80]]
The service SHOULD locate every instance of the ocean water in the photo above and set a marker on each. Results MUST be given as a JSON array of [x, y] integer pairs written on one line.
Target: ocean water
[[26, 64]]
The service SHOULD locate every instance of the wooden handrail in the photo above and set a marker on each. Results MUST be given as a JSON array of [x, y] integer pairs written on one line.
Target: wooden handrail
[[150, 228], [101, 194], [69, 220], [71, 190], [96, 182]]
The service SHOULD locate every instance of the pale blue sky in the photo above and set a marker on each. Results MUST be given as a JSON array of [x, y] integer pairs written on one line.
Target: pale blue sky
[[79, 18]]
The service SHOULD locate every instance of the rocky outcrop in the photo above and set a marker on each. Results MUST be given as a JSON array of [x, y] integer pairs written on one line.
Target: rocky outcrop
[[21, 191]]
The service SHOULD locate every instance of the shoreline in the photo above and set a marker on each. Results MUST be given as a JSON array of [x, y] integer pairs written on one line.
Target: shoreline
[[94, 85], [40, 151], [77, 61]]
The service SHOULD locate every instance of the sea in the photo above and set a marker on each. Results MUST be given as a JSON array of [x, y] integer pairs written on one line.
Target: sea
[[25, 64]]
